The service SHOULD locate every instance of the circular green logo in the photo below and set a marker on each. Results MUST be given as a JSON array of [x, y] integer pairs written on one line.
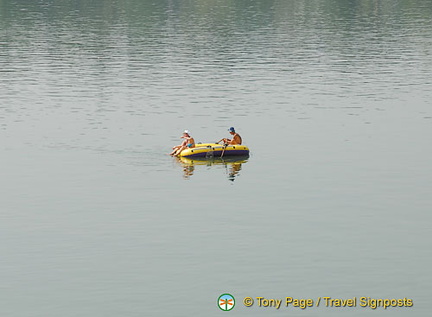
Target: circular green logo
[[226, 302]]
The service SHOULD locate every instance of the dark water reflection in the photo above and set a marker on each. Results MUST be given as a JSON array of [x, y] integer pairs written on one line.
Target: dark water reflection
[[231, 165]]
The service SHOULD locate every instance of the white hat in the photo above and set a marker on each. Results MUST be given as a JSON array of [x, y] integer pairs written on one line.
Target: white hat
[[186, 131]]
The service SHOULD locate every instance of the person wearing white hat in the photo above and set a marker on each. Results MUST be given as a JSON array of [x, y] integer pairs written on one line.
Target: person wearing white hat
[[188, 142]]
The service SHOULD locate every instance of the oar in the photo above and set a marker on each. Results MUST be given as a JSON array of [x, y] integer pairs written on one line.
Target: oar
[[225, 146]]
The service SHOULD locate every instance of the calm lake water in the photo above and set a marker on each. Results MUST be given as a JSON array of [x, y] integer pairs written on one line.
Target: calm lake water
[[332, 97]]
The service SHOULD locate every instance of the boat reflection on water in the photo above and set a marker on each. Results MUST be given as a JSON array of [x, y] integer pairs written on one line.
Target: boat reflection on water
[[232, 165]]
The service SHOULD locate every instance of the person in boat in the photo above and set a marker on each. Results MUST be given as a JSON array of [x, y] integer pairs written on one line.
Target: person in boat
[[236, 138], [188, 142]]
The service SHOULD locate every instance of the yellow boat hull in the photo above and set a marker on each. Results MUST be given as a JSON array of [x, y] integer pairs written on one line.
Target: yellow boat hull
[[214, 150]]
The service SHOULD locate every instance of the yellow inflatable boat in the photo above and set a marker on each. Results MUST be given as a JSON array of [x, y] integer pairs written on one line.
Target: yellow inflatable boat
[[215, 150], [198, 161]]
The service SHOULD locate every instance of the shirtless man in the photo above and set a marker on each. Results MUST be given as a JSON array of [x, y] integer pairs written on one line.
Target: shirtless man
[[236, 140], [188, 142]]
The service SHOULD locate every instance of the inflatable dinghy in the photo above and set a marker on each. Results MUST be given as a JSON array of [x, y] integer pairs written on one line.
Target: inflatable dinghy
[[215, 150]]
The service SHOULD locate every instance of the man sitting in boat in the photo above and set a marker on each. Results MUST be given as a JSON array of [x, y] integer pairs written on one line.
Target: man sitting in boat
[[188, 142], [236, 140]]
